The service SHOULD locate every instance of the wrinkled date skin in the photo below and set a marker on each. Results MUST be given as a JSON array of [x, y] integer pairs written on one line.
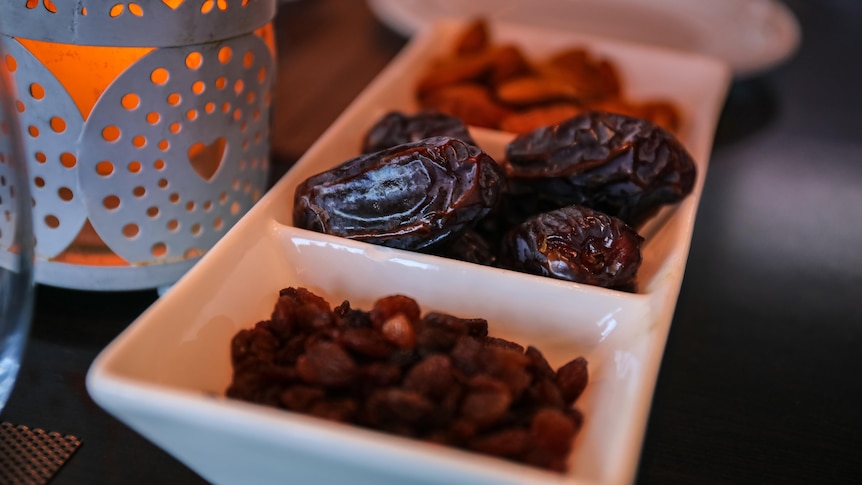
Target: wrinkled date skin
[[396, 128], [624, 166], [412, 196], [577, 244]]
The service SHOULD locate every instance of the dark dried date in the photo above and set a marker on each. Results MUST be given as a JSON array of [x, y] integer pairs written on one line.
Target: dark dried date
[[396, 128], [412, 196], [624, 166], [471, 247], [576, 244]]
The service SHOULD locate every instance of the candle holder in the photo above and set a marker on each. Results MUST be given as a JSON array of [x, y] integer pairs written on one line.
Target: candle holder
[[146, 130]]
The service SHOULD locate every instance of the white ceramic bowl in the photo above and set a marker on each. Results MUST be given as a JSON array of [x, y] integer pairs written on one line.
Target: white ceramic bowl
[[165, 376]]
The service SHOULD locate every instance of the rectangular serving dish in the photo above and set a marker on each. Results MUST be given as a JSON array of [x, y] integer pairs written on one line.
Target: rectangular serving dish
[[165, 376]]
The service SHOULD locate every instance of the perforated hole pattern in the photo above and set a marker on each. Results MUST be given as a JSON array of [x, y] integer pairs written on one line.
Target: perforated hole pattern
[[155, 23], [178, 129], [32, 456]]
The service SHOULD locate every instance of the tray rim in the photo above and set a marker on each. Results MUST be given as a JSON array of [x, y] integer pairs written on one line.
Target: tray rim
[[126, 396]]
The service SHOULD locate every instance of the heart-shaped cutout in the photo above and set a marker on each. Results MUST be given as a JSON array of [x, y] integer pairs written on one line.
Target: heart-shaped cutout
[[206, 159], [174, 4]]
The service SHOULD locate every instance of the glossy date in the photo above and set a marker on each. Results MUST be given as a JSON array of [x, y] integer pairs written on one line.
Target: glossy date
[[624, 166], [413, 196], [577, 244], [396, 128]]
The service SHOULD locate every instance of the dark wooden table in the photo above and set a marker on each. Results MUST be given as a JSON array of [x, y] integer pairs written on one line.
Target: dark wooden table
[[762, 378]]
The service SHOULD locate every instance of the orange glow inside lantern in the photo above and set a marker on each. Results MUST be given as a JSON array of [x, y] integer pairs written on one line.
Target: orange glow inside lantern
[[85, 72], [165, 148]]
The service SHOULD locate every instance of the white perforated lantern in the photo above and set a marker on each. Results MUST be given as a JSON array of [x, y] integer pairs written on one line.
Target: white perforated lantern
[[146, 130]]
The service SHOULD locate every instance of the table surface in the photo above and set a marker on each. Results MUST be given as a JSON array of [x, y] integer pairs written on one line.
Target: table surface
[[760, 381]]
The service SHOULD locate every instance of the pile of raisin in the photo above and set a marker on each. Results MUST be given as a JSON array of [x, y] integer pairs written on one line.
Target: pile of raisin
[[433, 377]]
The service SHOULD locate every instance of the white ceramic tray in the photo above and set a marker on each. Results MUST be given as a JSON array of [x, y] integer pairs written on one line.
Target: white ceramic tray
[[165, 376]]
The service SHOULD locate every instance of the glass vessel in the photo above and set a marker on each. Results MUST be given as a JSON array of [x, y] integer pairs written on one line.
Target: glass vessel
[[16, 241]]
